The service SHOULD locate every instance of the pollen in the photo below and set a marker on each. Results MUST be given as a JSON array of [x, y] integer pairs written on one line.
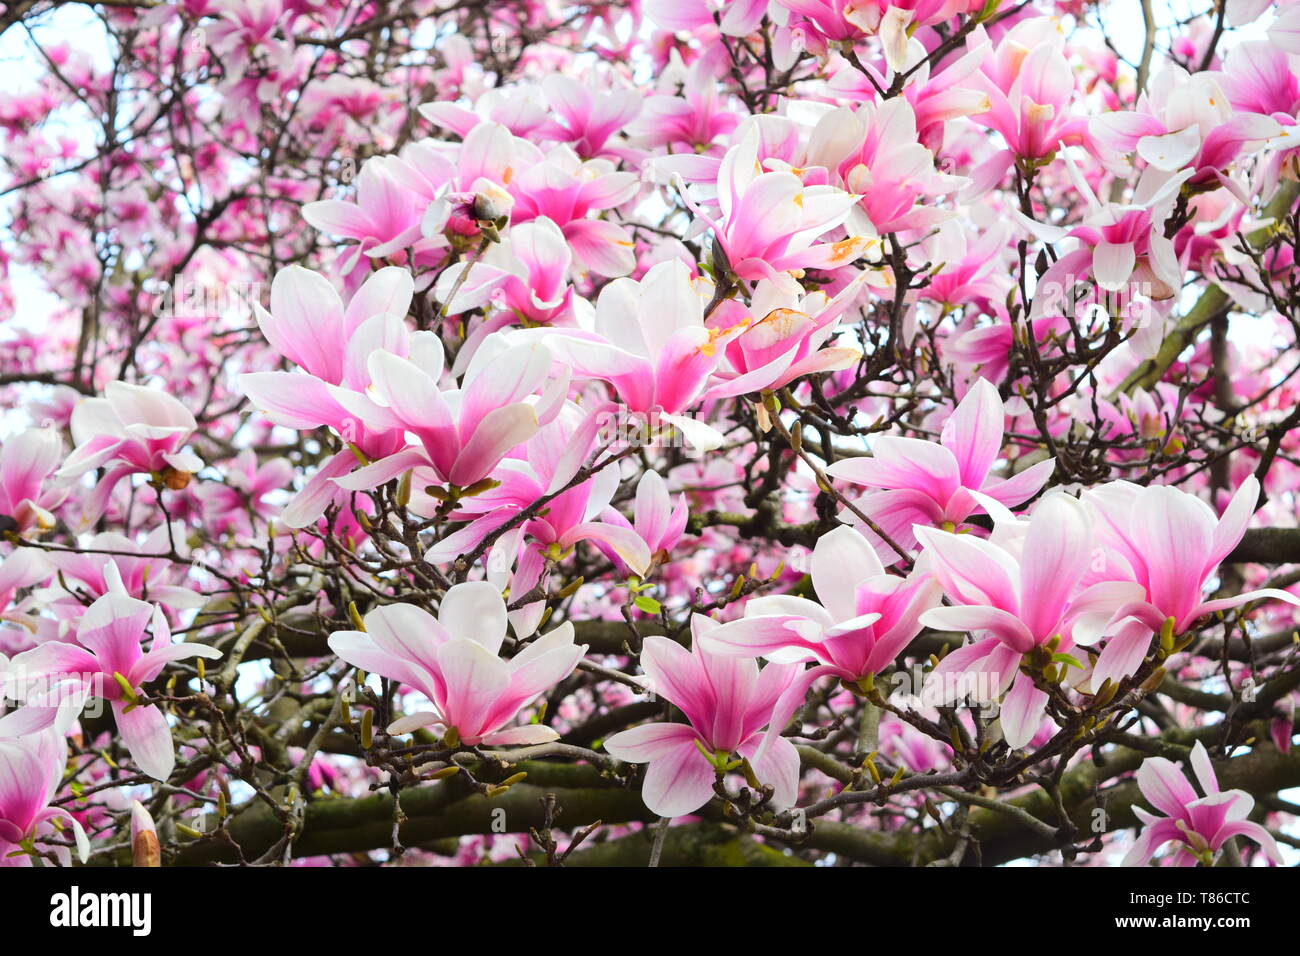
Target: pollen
[[710, 348], [845, 249]]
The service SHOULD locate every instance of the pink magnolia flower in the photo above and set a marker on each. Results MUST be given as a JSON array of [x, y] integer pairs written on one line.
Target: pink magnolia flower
[[1026, 597], [1124, 249], [310, 327], [1258, 79], [1199, 825], [1030, 84], [770, 222], [31, 769], [543, 465], [27, 495], [1184, 121], [231, 507], [526, 275], [893, 21], [386, 217], [786, 343], [692, 121], [114, 562], [923, 483], [452, 660], [520, 108], [833, 20], [584, 117], [566, 191], [463, 433], [865, 619], [108, 661], [890, 170], [656, 519], [727, 701], [650, 341], [1170, 543], [470, 183], [131, 429], [975, 267], [1022, 600], [936, 99]]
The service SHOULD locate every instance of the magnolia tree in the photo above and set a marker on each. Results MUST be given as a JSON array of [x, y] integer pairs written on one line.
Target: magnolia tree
[[682, 432]]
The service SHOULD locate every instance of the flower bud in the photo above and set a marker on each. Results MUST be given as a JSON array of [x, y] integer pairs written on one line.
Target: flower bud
[[145, 849]]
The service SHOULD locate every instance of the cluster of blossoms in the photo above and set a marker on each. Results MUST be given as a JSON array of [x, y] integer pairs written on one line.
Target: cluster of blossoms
[[703, 402]]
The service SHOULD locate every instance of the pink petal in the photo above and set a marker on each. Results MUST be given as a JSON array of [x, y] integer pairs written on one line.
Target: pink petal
[[1022, 712], [145, 732], [973, 433], [841, 560], [475, 678], [1164, 785]]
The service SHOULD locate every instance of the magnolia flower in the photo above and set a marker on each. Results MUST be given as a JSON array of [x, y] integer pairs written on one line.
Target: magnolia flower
[[693, 120], [1122, 247], [1199, 825], [567, 190], [657, 520], [786, 343], [390, 202], [1027, 597], [584, 117], [27, 496], [892, 21], [727, 701], [1185, 121], [230, 507], [114, 562], [651, 343], [542, 466], [526, 275], [309, 325], [770, 222], [1022, 601], [923, 483], [463, 433], [1029, 84], [452, 660], [865, 619], [31, 769], [892, 173], [131, 429], [1170, 543], [108, 661]]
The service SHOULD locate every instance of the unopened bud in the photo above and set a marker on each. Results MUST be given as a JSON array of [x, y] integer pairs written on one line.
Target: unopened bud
[[145, 849]]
